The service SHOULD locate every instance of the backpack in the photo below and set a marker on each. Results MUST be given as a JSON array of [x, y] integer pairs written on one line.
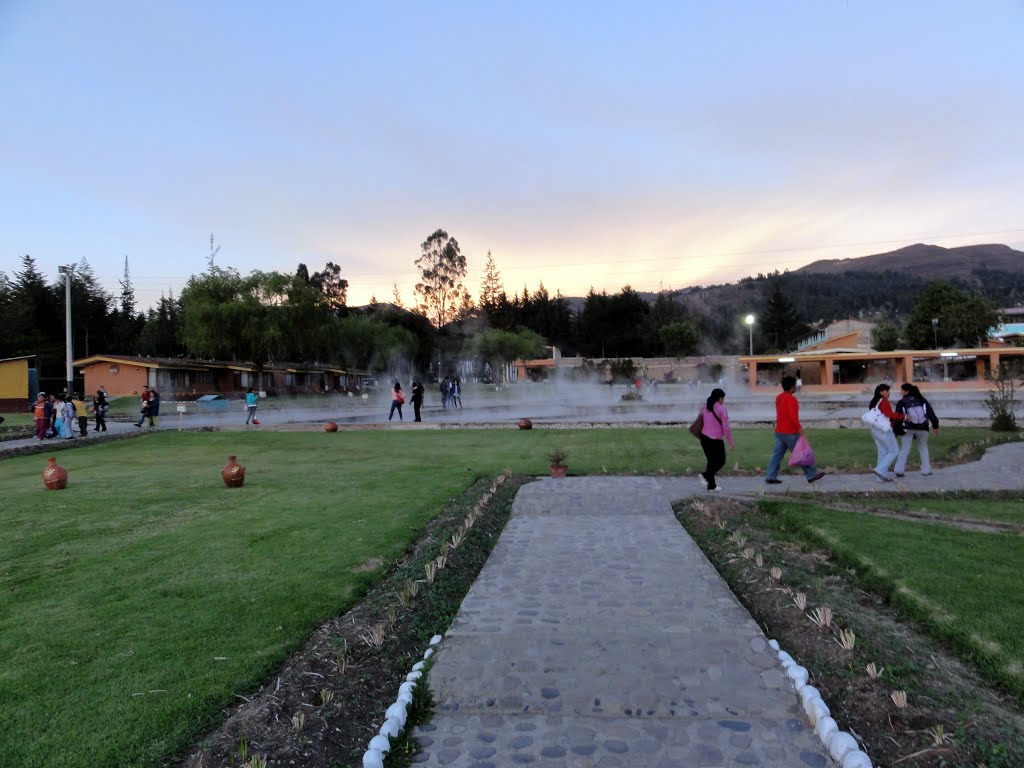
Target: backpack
[[917, 414]]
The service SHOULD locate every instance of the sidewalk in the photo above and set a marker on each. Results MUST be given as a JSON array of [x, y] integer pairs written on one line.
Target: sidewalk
[[998, 470], [598, 634]]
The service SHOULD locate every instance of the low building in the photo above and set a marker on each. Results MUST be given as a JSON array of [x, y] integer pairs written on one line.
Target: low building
[[16, 383], [179, 378], [853, 370]]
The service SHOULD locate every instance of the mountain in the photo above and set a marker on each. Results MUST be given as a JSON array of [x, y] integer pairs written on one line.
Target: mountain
[[962, 264]]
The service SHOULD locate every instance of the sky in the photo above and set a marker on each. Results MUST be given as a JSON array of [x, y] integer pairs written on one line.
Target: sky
[[585, 145]]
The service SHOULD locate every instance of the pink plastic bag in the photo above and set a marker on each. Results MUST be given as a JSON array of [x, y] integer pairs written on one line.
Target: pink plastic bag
[[802, 455]]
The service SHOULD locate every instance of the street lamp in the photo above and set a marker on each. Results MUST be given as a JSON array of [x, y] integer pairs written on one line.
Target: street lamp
[[749, 320], [68, 271], [935, 331]]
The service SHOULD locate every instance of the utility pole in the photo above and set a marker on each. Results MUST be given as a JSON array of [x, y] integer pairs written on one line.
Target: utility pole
[[68, 271]]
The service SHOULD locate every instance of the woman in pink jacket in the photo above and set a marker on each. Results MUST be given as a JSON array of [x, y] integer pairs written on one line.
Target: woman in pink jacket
[[713, 437]]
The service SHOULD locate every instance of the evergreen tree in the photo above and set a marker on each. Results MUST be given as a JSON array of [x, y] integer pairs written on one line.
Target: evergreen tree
[[490, 287], [780, 326]]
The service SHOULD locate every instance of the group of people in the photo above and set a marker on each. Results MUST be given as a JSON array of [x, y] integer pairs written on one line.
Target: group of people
[[912, 418], [451, 392], [451, 396], [149, 408], [55, 415], [398, 400]]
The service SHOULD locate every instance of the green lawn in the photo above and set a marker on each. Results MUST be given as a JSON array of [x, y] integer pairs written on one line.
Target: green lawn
[[1000, 510], [963, 586], [135, 604]]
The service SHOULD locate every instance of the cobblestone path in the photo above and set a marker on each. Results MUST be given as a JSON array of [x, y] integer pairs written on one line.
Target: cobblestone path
[[598, 634]]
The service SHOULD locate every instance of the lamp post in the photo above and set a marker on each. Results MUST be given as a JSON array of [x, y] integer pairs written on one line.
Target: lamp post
[[68, 271], [749, 320], [935, 332]]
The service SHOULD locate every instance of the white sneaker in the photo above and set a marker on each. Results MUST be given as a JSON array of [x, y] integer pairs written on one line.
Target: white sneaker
[[716, 489]]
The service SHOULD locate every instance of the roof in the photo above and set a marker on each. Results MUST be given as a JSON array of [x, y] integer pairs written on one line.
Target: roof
[[144, 362], [12, 359]]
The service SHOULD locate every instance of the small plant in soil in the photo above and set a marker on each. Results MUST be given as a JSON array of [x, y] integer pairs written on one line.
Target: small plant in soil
[[874, 671], [899, 698], [846, 639], [822, 616], [557, 457]]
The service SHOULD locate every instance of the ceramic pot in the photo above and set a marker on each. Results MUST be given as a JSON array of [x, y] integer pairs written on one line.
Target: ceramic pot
[[233, 473], [559, 470], [525, 424], [330, 426], [55, 477]]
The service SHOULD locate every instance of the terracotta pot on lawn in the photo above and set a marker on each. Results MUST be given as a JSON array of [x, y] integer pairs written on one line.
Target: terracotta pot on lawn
[[331, 426], [559, 470], [525, 424], [55, 476], [233, 473]]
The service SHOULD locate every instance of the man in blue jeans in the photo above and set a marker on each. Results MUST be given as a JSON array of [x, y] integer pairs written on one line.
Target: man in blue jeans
[[787, 431]]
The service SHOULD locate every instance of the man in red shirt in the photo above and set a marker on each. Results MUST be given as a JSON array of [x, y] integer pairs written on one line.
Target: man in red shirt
[[787, 430]]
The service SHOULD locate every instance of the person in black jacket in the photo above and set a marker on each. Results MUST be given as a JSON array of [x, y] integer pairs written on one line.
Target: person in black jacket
[[417, 399], [917, 416], [99, 406]]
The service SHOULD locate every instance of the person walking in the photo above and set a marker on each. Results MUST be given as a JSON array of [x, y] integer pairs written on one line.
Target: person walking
[[58, 417], [714, 434], [99, 406], [81, 415], [68, 432], [417, 399], [917, 415], [444, 392], [51, 416], [456, 396], [143, 408], [252, 402], [397, 398], [885, 439], [154, 409], [787, 431], [39, 413]]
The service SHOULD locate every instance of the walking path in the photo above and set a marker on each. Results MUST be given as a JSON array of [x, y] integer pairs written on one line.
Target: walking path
[[598, 635]]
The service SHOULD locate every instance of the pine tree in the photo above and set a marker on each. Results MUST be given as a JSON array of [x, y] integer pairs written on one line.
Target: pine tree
[[490, 287]]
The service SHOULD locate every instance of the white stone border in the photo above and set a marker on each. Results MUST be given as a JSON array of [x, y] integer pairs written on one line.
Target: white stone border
[[397, 713], [841, 746]]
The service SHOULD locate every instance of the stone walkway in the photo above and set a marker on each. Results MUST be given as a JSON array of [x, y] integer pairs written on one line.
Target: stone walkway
[[598, 634]]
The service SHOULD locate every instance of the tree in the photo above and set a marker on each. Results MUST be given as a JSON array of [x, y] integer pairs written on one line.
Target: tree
[[962, 318], [161, 331], [442, 268], [497, 348], [490, 287], [885, 336], [679, 338], [780, 325], [333, 287], [227, 316]]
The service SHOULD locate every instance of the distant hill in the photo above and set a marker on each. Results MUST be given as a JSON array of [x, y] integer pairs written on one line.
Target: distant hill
[[961, 264]]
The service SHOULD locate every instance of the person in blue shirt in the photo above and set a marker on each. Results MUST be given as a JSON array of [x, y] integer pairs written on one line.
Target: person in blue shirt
[[251, 403]]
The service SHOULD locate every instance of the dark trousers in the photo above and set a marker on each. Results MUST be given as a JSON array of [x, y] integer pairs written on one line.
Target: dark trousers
[[714, 451], [101, 423], [416, 410], [83, 425]]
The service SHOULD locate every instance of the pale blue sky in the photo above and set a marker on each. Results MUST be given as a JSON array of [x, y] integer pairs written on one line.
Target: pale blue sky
[[655, 144]]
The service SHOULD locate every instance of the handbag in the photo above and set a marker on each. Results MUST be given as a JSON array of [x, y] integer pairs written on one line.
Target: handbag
[[875, 419], [802, 455], [698, 425]]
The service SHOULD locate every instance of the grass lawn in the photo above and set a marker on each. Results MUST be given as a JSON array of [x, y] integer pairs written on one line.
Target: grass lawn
[[963, 586], [1000, 509], [138, 602]]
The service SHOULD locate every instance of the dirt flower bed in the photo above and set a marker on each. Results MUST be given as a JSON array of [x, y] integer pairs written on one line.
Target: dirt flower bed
[[950, 717], [321, 709]]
